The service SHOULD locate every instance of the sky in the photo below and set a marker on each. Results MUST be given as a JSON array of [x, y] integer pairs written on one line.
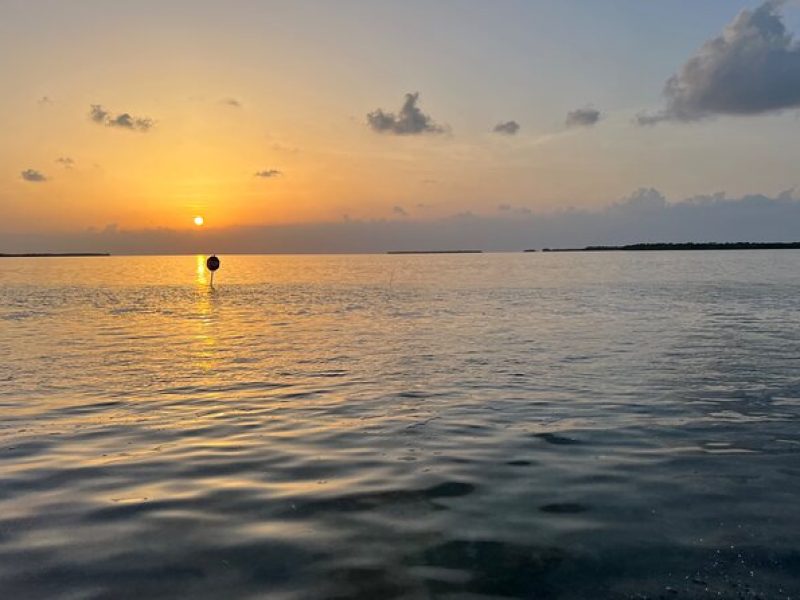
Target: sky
[[371, 126]]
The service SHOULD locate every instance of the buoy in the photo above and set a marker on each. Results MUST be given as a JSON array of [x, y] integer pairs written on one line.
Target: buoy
[[212, 264]]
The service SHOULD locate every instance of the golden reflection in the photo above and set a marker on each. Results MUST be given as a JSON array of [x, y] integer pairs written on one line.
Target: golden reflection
[[202, 275], [205, 334]]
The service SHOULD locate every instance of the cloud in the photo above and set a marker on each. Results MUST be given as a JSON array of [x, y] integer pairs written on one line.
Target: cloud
[[267, 173], [33, 176], [582, 117], [752, 68], [231, 102], [507, 128], [503, 207], [644, 216], [410, 120], [123, 120], [98, 114], [399, 210], [128, 122], [66, 162], [44, 100]]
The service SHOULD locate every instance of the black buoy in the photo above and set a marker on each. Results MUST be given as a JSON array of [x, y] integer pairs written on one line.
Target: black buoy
[[212, 264]]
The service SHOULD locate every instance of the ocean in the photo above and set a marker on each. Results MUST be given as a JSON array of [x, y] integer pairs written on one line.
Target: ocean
[[615, 425]]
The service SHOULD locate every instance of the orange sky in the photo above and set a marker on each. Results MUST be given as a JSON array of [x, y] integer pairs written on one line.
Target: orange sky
[[304, 76]]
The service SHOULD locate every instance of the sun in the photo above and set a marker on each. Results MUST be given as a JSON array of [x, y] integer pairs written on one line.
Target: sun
[[198, 220]]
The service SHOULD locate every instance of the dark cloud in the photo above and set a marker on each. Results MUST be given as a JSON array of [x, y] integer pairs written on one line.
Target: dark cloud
[[582, 117], [643, 216], [128, 122], [267, 173], [232, 102], [123, 120], [399, 210], [410, 120], [753, 67], [98, 114], [66, 162], [507, 128], [503, 207], [33, 176], [641, 201], [44, 100]]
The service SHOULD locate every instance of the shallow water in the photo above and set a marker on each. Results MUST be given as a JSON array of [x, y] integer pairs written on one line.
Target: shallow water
[[620, 425]]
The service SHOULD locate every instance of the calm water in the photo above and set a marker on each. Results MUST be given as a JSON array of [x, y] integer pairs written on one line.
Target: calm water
[[617, 425]]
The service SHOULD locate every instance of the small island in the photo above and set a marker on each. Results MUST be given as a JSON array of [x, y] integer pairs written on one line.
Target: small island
[[435, 252], [53, 254], [682, 246]]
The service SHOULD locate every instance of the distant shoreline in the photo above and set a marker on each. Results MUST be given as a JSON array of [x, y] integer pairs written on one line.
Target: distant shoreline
[[682, 246], [435, 252], [53, 254]]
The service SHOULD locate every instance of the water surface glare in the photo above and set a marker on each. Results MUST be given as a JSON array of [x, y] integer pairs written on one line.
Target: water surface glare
[[616, 425]]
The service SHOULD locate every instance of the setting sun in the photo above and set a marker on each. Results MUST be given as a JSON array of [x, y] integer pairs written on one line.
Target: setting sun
[[199, 221]]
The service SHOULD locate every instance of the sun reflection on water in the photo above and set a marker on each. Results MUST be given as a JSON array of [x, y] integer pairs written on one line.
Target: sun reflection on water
[[206, 331], [202, 275]]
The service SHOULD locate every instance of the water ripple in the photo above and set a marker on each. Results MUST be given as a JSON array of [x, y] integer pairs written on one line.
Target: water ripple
[[492, 426]]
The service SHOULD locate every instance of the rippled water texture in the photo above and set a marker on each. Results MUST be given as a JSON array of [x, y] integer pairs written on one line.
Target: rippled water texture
[[620, 425]]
